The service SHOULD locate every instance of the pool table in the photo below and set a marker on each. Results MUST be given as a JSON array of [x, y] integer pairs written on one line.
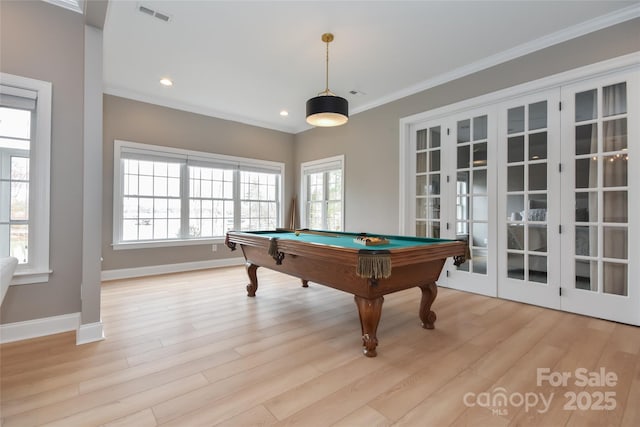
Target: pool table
[[368, 272]]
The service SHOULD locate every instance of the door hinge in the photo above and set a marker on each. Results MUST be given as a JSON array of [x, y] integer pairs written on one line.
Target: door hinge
[[560, 291], [447, 226], [448, 131], [447, 178], [447, 273], [559, 229], [559, 167], [560, 106]]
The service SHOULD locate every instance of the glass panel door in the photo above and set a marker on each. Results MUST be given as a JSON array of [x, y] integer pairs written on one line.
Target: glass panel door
[[609, 153], [472, 207], [428, 174], [473, 219], [600, 139], [529, 141]]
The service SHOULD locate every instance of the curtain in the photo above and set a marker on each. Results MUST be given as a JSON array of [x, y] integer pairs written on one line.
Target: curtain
[[615, 205]]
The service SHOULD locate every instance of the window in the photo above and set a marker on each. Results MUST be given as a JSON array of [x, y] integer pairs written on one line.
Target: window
[[168, 196], [25, 144], [15, 134], [151, 200], [323, 190], [259, 203], [211, 201]]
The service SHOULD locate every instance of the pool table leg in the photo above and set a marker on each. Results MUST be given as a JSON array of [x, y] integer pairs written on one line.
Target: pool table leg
[[427, 316], [369, 311], [252, 287]]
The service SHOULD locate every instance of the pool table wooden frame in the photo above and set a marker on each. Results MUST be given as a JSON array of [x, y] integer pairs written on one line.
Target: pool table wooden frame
[[335, 266]]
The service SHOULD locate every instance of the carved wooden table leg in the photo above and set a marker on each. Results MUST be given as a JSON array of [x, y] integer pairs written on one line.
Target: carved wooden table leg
[[427, 316], [252, 287], [305, 283], [369, 311]]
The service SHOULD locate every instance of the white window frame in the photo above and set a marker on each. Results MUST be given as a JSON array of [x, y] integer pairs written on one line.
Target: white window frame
[[197, 158], [37, 269], [320, 165]]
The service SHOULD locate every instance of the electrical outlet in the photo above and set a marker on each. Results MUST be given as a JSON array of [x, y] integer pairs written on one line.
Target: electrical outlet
[[214, 248]]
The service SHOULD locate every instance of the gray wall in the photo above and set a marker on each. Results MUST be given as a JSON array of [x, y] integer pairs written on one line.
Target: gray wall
[[370, 140], [46, 42], [135, 121]]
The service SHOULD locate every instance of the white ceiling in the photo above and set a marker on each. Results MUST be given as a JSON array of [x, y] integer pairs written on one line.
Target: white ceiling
[[247, 61]]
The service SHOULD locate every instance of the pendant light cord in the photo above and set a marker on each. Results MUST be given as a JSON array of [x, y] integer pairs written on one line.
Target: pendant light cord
[[327, 73]]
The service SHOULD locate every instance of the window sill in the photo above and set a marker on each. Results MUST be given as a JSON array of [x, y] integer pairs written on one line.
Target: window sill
[[166, 243], [27, 277]]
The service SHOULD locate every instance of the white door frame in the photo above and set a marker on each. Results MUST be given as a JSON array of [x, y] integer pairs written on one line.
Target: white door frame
[[546, 295], [624, 309]]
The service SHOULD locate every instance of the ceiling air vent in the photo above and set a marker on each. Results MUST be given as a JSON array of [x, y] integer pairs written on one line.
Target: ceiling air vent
[[146, 10], [155, 13], [162, 16]]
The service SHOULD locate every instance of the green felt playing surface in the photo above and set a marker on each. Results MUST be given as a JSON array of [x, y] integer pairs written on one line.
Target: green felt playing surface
[[345, 240]]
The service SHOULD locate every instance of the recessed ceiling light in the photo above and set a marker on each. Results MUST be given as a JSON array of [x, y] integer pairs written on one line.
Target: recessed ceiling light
[[165, 81], [284, 113]]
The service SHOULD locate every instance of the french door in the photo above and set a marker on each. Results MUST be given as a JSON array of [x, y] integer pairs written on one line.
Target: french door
[[471, 216], [529, 202], [454, 186], [427, 164], [428, 180], [600, 203], [544, 187]]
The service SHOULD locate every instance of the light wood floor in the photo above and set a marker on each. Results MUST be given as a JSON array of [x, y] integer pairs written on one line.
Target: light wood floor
[[192, 349]]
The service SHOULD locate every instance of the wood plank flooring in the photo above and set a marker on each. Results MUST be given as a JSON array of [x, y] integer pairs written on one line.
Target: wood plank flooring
[[191, 349]]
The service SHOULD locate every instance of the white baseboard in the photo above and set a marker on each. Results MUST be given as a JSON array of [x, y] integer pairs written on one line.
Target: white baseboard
[[39, 327], [89, 332], [151, 270]]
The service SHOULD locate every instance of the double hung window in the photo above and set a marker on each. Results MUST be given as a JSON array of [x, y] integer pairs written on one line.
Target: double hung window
[[323, 190], [167, 196], [25, 141]]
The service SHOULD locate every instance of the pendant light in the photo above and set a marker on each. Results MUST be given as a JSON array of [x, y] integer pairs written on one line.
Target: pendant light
[[327, 109]]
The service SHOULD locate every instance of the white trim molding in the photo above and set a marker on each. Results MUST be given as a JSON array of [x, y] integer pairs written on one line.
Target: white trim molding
[[152, 270], [91, 332], [72, 5], [10, 332], [165, 243]]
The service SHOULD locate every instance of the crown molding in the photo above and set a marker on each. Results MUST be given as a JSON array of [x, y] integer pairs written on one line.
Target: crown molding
[[592, 25], [164, 102], [73, 5]]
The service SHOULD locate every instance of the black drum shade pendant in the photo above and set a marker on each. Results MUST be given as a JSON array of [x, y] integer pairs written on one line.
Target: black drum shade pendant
[[327, 109]]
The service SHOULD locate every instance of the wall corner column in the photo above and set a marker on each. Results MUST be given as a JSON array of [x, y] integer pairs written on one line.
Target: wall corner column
[[90, 328]]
